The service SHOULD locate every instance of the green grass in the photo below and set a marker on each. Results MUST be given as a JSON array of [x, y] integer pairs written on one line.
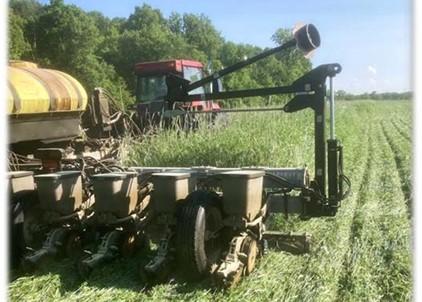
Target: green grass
[[362, 254]]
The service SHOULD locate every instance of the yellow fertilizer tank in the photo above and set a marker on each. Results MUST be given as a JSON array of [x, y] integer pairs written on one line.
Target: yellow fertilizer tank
[[43, 104], [35, 90]]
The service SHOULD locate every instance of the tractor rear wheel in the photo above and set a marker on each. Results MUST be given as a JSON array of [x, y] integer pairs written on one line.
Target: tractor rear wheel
[[198, 242]]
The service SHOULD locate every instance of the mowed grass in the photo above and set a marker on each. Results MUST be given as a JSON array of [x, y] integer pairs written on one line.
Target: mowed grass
[[362, 254]]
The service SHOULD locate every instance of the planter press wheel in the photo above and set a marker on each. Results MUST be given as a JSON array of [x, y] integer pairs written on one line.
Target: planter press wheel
[[198, 240], [84, 270], [128, 246], [73, 246], [250, 249]]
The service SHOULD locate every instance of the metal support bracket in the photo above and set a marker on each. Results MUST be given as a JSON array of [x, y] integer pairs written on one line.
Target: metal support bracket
[[231, 268], [108, 250], [51, 246], [158, 268]]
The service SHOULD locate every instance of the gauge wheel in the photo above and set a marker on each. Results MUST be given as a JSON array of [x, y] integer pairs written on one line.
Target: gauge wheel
[[250, 248], [128, 246], [149, 279], [198, 234], [84, 270], [73, 246]]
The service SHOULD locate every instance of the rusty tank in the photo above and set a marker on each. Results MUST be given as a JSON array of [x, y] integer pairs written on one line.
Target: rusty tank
[[43, 104]]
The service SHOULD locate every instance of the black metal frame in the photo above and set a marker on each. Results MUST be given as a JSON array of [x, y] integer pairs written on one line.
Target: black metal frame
[[309, 92]]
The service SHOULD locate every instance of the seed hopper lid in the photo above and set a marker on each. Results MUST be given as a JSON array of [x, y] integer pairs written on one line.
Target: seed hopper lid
[[115, 175], [152, 169], [249, 174], [222, 170], [58, 175], [19, 174], [174, 175]]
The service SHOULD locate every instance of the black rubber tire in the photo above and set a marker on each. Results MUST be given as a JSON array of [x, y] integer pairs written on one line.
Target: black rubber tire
[[149, 279], [129, 245], [250, 248], [83, 269], [73, 246], [194, 253]]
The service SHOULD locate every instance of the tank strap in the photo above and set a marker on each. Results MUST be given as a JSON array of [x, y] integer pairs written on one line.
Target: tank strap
[[62, 94], [75, 87]]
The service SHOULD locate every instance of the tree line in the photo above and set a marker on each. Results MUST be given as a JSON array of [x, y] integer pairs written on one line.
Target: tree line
[[101, 51], [378, 96]]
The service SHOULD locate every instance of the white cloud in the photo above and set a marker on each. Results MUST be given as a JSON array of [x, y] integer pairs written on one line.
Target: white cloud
[[372, 70]]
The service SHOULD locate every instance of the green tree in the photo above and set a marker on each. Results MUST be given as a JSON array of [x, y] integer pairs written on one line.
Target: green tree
[[65, 33], [18, 45], [68, 39], [294, 63], [201, 34], [146, 36], [23, 18], [175, 23]]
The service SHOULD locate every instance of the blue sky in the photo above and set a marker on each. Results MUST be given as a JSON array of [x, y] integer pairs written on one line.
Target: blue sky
[[371, 39]]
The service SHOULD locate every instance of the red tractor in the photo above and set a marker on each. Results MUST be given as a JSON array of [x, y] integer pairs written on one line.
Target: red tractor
[[151, 89]]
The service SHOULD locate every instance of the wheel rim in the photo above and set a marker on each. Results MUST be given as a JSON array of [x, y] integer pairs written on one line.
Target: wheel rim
[[250, 248], [212, 235]]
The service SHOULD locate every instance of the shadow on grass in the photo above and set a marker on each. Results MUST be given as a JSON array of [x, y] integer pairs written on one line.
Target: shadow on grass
[[125, 274], [121, 273], [65, 269]]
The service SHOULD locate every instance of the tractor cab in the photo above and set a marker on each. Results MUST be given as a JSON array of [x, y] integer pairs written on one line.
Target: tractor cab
[[151, 87]]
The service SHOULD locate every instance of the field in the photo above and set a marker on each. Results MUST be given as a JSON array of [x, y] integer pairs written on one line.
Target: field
[[362, 254]]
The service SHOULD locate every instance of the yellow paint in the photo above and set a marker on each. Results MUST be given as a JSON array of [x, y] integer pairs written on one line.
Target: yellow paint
[[9, 102], [32, 96], [36, 90], [19, 63], [79, 88]]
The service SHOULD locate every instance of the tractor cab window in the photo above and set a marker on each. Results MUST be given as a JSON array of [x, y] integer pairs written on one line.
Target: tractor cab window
[[193, 74], [149, 88]]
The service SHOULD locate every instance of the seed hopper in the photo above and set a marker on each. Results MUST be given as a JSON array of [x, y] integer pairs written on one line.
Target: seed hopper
[[120, 215], [56, 202]]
